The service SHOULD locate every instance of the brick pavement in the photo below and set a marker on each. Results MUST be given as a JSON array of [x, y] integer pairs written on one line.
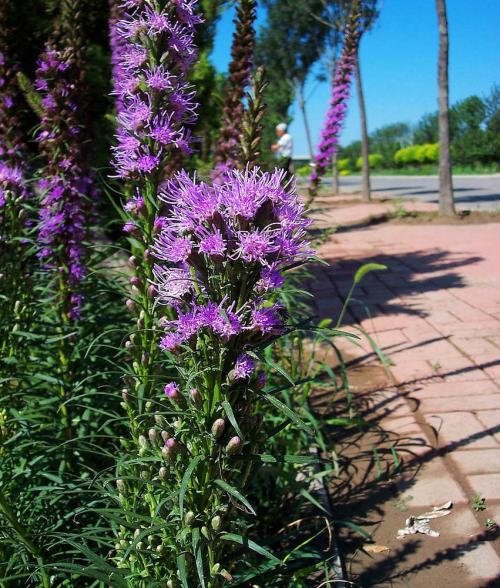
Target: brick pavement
[[436, 314]]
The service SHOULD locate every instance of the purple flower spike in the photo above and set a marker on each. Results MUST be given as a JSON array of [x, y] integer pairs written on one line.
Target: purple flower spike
[[336, 114], [64, 185]]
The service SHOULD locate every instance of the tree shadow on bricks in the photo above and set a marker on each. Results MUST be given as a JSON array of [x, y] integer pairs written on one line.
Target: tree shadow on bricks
[[410, 274], [377, 468]]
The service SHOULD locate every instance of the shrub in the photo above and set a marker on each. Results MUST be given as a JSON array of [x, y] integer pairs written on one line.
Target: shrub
[[374, 160], [344, 164]]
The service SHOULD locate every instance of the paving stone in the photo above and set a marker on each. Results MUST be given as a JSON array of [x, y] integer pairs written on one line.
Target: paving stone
[[444, 389], [491, 420], [487, 485], [461, 403], [477, 461], [461, 430], [434, 485]]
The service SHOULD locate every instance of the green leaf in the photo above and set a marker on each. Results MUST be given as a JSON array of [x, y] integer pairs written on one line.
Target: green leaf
[[325, 323], [288, 412], [181, 566], [313, 500], [232, 419], [365, 269], [198, 555], [185, 481], [249, 544], [230, 490]]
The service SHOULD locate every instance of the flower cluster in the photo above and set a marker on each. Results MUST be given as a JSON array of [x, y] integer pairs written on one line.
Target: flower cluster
[[12, 144], [336, 114], [228, 152], [63, 214], [117, 45], [245, 230], [156, 103]]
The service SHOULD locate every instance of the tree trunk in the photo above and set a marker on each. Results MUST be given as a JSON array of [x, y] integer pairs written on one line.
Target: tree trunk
[[335, 174], [446, 201], [365, 190], [302, 105]]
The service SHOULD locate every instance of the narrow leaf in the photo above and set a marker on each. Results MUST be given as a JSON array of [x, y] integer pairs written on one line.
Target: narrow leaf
[[248, 543], [232, 419], [235, 494], [288, 412], [185, 481]]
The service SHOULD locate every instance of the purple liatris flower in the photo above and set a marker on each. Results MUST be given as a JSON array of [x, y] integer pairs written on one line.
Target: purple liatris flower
[[244, 367], [337, 111], [247, 228], [153, 49], [64, 185]]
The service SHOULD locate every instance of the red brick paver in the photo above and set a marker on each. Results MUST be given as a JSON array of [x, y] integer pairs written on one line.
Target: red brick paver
[[436, 313]]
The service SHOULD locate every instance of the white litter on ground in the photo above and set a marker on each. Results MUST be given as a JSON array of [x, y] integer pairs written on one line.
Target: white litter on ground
[[420, 523]]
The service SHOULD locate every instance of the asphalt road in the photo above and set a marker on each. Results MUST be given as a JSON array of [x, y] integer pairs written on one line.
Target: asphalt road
[[471, 192]]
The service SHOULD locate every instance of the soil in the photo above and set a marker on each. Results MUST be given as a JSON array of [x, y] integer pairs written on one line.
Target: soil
[[373, 490]]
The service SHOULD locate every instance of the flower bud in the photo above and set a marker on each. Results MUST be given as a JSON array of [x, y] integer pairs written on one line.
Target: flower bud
[[153, 436], [134, 262], [163, 472], [195, 396], [140, 546], [166, 452], [140, 324], [145, 359], [152, 292], [134, 281], [205, 532], [125, 394], [120, 486], [161, 549], [160, 420], [172, 444], [148, 255], [135, 291], [215, 569], [151, 539], [137, 532], [143, 442], [190, 518], [172, 391], [218, 428], [233, 446], [216, 523], [165, 436], [131, 305], [148, 406]]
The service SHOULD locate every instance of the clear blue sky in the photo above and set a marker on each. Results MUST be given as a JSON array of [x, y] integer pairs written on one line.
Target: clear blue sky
[[399, 63]]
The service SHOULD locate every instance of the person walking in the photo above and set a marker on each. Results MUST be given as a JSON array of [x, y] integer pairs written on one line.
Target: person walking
[[283, 148]]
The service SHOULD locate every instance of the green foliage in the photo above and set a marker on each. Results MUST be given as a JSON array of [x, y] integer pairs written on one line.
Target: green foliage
[[374, 159], [417, 154], [344, 164], [304, 171]]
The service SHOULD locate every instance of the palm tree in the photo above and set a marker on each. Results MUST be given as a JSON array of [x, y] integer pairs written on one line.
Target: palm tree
[[446, 201]]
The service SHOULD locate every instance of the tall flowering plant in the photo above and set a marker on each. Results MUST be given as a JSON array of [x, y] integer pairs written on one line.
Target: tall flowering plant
[[336, 114], [228, 153], [156, 105], [63, 219], [219, 260]]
